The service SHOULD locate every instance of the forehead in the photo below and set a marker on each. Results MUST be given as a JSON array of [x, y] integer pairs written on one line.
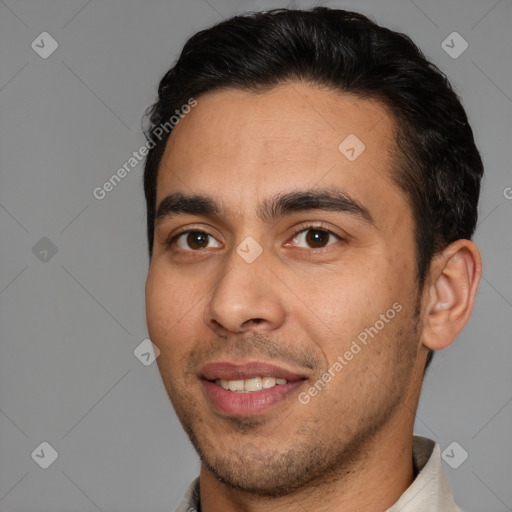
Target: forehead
[[240, 147]]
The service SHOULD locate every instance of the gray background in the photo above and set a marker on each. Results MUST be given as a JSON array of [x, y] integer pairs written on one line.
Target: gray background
[[70, 321]]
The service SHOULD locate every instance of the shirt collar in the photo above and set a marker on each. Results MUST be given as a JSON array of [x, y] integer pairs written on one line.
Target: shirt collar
[[430, 491]]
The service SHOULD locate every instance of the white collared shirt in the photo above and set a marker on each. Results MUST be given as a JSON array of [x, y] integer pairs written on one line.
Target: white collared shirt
[[430, 491]]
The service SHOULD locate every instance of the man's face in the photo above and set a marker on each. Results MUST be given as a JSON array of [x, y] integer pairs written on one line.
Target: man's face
[[243, 295]]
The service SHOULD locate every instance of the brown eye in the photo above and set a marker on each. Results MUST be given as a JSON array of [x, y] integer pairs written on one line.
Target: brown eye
[[315, 238], [193, 240], [197, 240]]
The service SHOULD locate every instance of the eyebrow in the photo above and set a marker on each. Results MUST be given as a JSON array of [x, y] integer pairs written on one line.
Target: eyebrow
[[279, 205]]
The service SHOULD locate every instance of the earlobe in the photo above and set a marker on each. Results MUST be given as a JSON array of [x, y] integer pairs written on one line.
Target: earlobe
[[455, 275]]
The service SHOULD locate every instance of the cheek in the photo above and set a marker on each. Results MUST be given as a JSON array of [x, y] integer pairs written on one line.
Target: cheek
[[157, 303], [164, 310], [167, 305], [340, 306], [175, 305]]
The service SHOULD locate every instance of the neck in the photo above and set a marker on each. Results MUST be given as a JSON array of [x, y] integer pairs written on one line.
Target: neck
[[374, 483]]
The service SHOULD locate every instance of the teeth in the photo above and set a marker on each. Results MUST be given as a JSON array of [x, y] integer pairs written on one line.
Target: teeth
[[250, 385], [235, 385], [268, 382], [253, 384]]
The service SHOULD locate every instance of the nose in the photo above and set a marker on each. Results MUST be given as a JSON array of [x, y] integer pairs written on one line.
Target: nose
[[245, 298]]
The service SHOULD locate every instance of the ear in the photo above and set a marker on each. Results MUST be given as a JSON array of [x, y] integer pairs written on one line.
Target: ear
[[454, 279]]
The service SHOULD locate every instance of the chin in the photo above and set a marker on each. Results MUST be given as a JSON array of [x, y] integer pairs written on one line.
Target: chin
[[258, 477]]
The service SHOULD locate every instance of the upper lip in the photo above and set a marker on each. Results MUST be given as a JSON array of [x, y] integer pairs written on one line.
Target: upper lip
[[236, 371]]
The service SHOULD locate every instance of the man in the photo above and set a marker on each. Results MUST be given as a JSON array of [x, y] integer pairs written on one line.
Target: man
[[310, 210]]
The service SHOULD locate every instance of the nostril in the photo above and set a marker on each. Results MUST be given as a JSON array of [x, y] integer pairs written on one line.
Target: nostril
[[254, 321]]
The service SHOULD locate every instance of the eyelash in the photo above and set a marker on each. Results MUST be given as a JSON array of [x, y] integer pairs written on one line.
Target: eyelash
[[307, 227]]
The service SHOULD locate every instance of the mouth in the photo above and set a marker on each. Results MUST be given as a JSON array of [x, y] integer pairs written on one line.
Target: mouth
[[251, 385], [249, 389]]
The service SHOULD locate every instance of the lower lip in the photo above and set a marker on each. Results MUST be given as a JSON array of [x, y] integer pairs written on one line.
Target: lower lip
[[248, 404]]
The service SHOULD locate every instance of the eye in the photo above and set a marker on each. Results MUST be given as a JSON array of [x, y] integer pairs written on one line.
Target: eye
[[315, 237], [195, 240]]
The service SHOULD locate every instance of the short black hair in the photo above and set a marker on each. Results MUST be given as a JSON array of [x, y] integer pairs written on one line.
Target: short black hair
[[436, 162]]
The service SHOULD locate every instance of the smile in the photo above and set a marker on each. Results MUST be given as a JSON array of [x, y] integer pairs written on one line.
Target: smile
[[249, 389], [250, 385]]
